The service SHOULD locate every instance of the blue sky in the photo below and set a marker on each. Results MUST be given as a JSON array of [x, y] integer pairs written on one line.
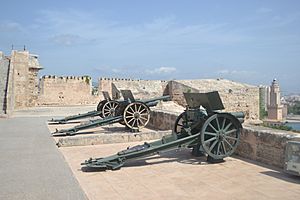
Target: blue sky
[[247, 41]]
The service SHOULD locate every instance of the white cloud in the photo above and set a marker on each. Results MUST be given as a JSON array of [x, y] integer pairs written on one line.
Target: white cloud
[[162, 31], [66, 39], [161, 70], [235, 72], [10, 26]]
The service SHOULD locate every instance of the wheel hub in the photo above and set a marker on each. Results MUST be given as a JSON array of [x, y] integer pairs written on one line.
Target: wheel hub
[[220, 136], [112, 111], [136, 115]]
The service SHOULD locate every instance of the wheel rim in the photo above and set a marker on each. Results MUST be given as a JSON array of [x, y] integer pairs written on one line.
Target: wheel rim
[[100, 105], [220, 135], [136, 115], [178, 124], [109, 108]]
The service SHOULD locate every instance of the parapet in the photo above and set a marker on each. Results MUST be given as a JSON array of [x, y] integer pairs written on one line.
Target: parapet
[[125, 79], [66, 78]]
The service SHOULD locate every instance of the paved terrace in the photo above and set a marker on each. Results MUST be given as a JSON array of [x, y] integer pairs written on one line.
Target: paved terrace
[[34, 168]]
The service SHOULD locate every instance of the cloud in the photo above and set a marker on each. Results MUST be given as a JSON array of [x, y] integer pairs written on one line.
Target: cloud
[[10, 26], [161, 70], [235, 72], [164, 31], [66, 39]]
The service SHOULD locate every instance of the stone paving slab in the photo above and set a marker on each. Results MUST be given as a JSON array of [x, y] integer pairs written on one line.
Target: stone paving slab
[[31, 165], [178, 175], [53, 111]]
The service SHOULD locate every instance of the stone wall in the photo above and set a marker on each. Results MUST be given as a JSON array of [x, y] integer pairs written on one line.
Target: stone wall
[[142, 89], [68, 90], [25, 68], [4, 72], [235, 96], [265, 145], [257, 143]]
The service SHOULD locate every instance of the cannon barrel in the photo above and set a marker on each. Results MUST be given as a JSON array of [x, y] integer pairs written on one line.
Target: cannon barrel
[[239, 115], [157, 99], [90, 124]]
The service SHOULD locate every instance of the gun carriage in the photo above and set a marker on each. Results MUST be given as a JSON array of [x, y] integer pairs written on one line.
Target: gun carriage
[[201, 127], [132, 113], [104, 109]]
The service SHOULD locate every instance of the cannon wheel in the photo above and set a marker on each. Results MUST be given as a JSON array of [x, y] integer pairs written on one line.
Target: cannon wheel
[[109, 108], [178, 124], [100, 106], [136, 115], [181, 123], [220, 135]]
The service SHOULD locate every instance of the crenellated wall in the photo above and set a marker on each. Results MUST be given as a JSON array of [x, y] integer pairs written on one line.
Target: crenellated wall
[[142, 89], [235, 96], [68, 90]]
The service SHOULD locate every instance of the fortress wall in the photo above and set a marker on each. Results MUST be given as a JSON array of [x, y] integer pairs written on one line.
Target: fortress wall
[[235, 96], [69, 90], [20, 76], [4, 71], [142, 89], [24, 69]]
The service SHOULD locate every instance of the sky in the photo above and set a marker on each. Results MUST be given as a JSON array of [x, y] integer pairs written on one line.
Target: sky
[[246, 41]]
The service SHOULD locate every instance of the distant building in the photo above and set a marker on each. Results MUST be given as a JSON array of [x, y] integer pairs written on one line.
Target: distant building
[[275, 108]]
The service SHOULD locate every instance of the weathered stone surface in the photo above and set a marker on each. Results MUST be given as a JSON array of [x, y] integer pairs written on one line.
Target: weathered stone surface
[[68, 90], [265, 144], [141, 89], [4, 70], [235, 96], [116, 137]]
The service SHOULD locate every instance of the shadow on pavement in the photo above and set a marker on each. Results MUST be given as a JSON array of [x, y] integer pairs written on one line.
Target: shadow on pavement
[[283, 176]]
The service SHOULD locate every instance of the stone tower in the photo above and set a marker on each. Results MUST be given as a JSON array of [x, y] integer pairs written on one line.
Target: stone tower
[[18, 81], [25, 81], [275, 107]]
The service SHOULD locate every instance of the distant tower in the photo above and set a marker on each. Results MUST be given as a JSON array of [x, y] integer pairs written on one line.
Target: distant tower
[[275, 107]]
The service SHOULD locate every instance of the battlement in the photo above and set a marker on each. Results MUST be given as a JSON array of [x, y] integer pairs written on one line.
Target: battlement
[[86, 79], [125, 79]]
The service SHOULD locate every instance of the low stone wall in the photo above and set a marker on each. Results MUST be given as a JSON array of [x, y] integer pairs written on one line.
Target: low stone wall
[[162, 120], [257, 143], [265, 145], [109, 138]]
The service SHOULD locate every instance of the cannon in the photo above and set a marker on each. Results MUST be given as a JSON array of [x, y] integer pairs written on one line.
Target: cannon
[[134, 114], [201, 127], [104, 109]]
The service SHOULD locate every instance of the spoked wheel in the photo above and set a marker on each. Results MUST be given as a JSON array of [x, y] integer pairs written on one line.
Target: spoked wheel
[[220, 135], [100, 106], [109, 108], [179, 124], [182, 122], [136, 115]]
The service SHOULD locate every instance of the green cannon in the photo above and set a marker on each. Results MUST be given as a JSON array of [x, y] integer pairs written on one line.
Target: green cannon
[[201, 127], [134, 114], [100, 111]]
